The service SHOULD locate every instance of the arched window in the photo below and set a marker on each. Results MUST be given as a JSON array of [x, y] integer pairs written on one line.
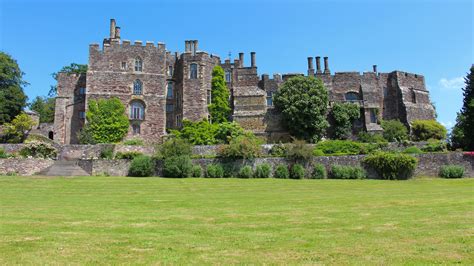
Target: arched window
[[228, 76], [352, 96], [137, 110], [137, 87], [138, 64], [169, 93], [193, 71]]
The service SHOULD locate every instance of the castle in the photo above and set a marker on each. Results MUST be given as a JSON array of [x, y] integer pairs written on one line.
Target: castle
[[160, 89]]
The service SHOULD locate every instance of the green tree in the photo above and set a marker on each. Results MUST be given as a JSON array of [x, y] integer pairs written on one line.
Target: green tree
[[12, 97], [219, 108], [73, 68], [17, 131], [463, 131], [427, 129], [343, 115], [394, 130], [44, 106], [303, 102], [106, 121]]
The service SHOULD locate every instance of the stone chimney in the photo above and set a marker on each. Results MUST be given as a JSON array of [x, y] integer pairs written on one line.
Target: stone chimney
[[241, 59], [252, 59], [117, 32], [326, 65], [187, 46], [310, 66], [195, 42], [318, 64], [112, 28], [375, 68]]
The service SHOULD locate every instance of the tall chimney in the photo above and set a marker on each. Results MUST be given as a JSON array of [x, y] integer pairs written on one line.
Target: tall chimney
[[187, 46], [252, 59], [195, 45], [310, 66], [112, 28], [318, 64], [326, 65], [375, 68], [241, 59], [117, 32]]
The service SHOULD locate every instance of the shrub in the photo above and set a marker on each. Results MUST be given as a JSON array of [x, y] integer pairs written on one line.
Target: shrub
[[215, 171], [370, 137], [107, 153], [451, 171], [133, 142], [3, 154], [343, 115], [230, 170], [281, 172], [394, 130], [263, 171], [347, 172], [319, 172], [435, 146], [242, 147], [204, 133], [346, 147], [141, 166], [129, 155], [297, 171], [178, 166], [196, 170], [427, 129], [174, 147], [18, 129], [412, 150], [299, 150], [246, 172], [278, 150], [318, 152], [38, 150], [107, 121], [391, 165]]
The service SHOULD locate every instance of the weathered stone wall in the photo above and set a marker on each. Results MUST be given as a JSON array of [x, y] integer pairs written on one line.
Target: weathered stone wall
[[25, 167]]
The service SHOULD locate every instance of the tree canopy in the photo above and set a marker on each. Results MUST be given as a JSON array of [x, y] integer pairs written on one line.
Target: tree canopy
[[463, 131], [219, 108], [17, 131], [44, 106], [343, 115], [12, 97], [303, 102]]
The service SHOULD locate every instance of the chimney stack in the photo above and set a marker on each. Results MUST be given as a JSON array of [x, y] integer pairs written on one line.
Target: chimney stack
[[241, 59], [112, 28], [326, 66], [318, 64], [310, 66], [187, 46], [195, 46], [252, 59], [375, 68], [117, 32]]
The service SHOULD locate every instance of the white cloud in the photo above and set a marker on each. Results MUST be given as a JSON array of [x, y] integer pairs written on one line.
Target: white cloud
[[449, 124], [451, 84]]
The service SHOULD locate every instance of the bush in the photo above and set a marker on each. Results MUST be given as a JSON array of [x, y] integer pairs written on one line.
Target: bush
[[319, 172], [141, 166], [347, 172], [391, 165], [346, 147], [242, 147], [3, 154], [18, 129], [281, 172], [297, 171], [107, 121], [435, 146], [174, 147], [129, 155], [370, 137], [205, 133], [412, 150], [196, 171], [394, 130], [246, 172], [451, 171], [215, 171], [133, 142], [278, 150], [343, 115], [263, 171], [107, 153], [178, 166], [427, 129], [38, 150], [299, 150]]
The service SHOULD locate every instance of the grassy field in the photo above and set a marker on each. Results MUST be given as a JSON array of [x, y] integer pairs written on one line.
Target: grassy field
[[114, 220]]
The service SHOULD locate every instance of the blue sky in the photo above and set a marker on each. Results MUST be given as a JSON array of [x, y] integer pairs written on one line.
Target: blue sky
[[429, 37]]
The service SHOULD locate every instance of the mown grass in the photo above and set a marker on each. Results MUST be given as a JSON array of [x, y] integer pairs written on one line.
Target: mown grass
[[119, 220]]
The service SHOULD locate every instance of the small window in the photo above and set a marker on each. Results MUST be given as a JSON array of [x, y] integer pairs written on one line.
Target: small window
[[228, 76], [137, 111], [82, 91], [193, 71], [352, 97], [138, 65], [170, 71], [169, 93], [169, 108], [82, 115], [373, 116], [136, 129], [209, 95], [123, 65], [137, 87], [269, 98]]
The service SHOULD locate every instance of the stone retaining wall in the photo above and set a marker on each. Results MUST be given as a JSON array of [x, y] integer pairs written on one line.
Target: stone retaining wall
[[23, 166]]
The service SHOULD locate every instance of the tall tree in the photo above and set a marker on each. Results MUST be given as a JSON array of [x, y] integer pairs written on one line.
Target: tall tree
[[343, 115], [303, 102], [44, 106], [12, 97], [463, 131], [219, 108]]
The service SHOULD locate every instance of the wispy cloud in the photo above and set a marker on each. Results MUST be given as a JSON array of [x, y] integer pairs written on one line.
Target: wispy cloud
[[449, 125], [451, 84]]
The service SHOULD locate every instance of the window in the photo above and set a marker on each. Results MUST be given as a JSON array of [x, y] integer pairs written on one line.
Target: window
[[179, 119], [137, 87], [123, 66], [269, 98], [352, 97], [82, 115], [136, 129], [169, 108], [170, 71], [209, 94], [138, 65], [137, 110], [169, 93], [82, 91], [168, 124], [193, 71], [228, 76], [373, 116]]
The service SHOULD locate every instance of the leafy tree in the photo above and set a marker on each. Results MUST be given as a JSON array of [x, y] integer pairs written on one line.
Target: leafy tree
[[73, 68], [303, 103], [44, 106], [106, 120], [204, 133], [344, 114], [463, 131], [427, 129], [219, 108], [17, 131], [394, 130], [12, 97]]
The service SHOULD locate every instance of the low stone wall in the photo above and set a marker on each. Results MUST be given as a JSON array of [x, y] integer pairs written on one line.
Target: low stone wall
[[110, 167], [21, 166]]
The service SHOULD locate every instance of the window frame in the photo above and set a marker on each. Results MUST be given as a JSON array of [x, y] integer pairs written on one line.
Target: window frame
[[137, 110], [193, 73], [137, 87], [138, 65]]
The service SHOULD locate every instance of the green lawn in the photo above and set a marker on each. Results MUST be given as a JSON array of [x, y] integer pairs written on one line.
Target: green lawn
[[113, 220]]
